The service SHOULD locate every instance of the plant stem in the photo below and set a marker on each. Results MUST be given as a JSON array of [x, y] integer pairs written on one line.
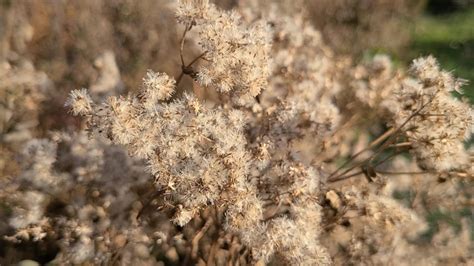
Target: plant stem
[[371, 145], [390, 134]]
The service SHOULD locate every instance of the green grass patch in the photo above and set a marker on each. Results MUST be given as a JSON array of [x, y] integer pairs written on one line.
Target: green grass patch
[[450, 38]]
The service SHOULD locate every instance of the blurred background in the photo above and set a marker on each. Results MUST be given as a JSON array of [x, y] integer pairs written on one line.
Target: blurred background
[[446, 30], [65, 39], [404, 29]]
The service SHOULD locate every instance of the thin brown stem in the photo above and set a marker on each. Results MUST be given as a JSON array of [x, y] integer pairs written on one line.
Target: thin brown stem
[[403, 173], [382, 137], [401, 145], [347, 124], [463, 174], [387, 158], [185, 68], [198, 236], [369, 147], [340, 178], [180, 77], [181, 46], [391, 134], [392, 137], [197, 58], [434, 114], [350, 169]]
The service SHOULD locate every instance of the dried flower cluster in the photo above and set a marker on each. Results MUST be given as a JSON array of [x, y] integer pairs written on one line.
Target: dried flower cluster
[[351, 27], [435, 123], [236, 54], [22, 90], [49, 199], [437, 133], [282, 152]]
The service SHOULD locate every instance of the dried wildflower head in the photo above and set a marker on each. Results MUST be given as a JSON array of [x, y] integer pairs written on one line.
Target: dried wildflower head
[[422, 107], [438, 123], [158, 87], [235, 54], [198, 157], [80, 102], [30, 211], [83, 191], [195, 153], [191, 11], [294, 223], [39, 155], [23, 90], [374, 82]]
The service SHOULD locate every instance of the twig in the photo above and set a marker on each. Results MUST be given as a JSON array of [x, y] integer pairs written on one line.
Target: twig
[[391, 134], [147, 204], [462, 174], [391, 139], [197, 58], [401, 144], [403, 173], [178, 80], [186, 69], [371, 145], [397, 152], [198, 236], [344, 177], [181, 46]]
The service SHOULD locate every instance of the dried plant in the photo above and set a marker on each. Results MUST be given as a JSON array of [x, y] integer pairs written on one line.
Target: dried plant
[[281, 152], [22, 91], [352, 27]]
